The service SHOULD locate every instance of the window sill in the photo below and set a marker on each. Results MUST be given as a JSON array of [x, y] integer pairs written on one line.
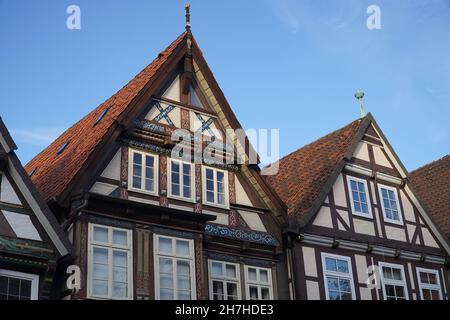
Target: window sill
[[190, 200], [152, 193]]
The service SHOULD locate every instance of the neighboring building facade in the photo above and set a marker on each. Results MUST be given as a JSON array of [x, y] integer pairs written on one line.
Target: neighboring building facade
[[351, 206], [148, 225], [32, 243]]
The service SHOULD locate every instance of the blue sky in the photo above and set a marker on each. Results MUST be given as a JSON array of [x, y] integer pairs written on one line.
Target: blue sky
[[292, 65]]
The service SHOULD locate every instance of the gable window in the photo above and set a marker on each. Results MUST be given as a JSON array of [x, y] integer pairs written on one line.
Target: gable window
[[181, 183], [215, 187], [18, 285], [143, 172], [338, 277], [258, 283], [390, 204], [110, 268], [224, 281], [174, 268], [359, 197], [429, 286], [393, 281]]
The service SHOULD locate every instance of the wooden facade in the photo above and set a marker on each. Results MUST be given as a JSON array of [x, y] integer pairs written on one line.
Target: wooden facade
[[33, 246], [148, 224]]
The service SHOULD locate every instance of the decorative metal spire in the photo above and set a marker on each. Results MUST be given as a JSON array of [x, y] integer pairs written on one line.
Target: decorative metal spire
[[187, 8], [360, 95]]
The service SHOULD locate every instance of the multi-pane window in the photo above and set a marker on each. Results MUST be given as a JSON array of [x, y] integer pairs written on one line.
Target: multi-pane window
[[390, 204], [174, 268], [337, 273], [359, 197], [143, 172], [110, 268], [215, 187], [181, 184], [393, 281], [258, 283], [18, 285], [224, 281], [430, 288]]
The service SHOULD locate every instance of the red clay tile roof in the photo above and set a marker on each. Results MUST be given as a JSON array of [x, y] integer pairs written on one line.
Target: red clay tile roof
[[54, 172], [303, 173], [432, 185]]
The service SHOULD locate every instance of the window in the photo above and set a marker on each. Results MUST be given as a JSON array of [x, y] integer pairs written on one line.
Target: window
[[181, 183], [258, 283], [215, 187], [18, 285], [100, 117], [360, 202], [429, 286], [143, 172], [62, 147], [390, 204], [338, 277], [393, 281], [224, 281], [174, 268], [110, 268]]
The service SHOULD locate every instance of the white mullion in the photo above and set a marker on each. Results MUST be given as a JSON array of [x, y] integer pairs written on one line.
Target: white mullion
[[175, 278], [110, 269]]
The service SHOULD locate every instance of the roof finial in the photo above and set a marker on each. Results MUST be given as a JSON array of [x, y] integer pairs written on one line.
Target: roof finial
[[187, 8], [360, 95]]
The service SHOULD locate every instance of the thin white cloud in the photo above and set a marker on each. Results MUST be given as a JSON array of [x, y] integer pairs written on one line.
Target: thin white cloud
[[36, 136]]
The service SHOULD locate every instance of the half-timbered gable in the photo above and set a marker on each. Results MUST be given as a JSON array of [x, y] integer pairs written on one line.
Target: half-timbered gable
[[31, 240], [150, 218], [352, 209]]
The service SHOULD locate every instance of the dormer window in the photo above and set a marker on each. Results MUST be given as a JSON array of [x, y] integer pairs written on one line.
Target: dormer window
[[359, 197]]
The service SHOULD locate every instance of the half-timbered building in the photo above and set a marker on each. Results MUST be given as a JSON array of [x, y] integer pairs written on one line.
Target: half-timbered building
[[356, 228], [150, 222], [32, 243]]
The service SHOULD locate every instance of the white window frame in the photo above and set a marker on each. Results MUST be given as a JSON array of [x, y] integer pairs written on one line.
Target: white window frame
[[385, 218], [350, 194], [110, 247], [224, 279], [337, 274], [427, 285], [34, 278], [192, 180], [155, 172], [174, 257], [226, 205], [257, 283], [385, 282]]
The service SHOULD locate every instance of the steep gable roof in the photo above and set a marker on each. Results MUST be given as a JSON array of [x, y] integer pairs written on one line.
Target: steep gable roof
[[303, 173], [58, 164], [432, 185], [40, 209]]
